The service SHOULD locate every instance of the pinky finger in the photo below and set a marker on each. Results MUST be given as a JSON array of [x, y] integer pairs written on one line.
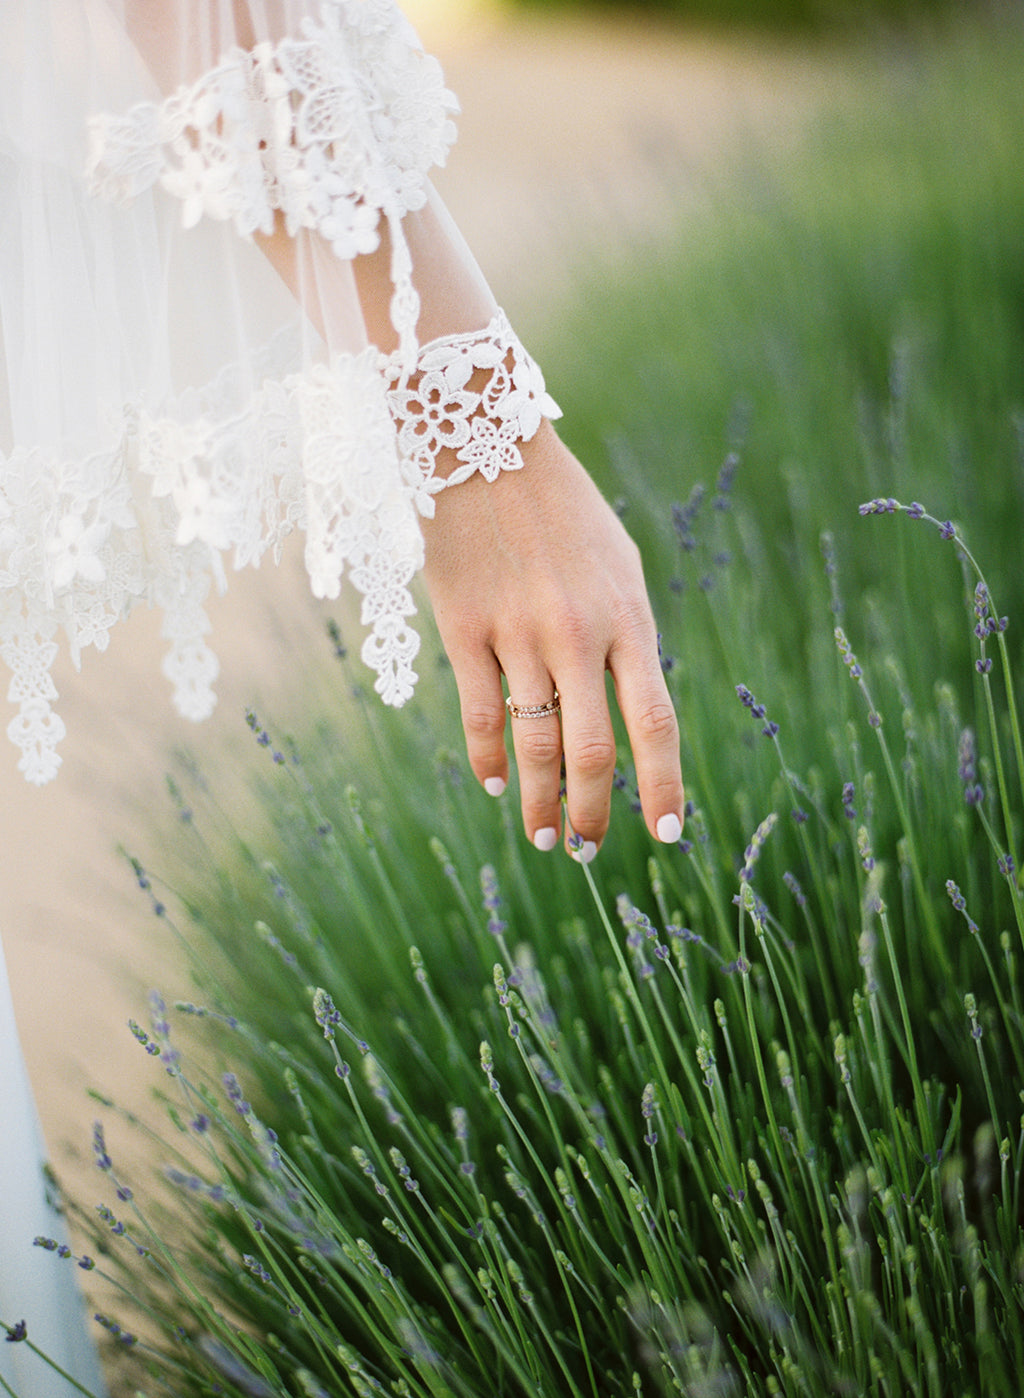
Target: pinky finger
[[654, 738]]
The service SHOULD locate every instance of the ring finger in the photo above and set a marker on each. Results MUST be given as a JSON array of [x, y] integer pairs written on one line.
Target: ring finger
[[537, 742]]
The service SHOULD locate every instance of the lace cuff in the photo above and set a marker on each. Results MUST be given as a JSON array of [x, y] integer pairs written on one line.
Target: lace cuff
[[478, 394]]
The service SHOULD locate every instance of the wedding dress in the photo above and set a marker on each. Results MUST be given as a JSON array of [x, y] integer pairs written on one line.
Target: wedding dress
[[35, 1288], [191, 364]]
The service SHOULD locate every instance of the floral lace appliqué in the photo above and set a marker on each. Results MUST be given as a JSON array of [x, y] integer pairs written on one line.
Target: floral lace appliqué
[[478, 394], [82, 542], [331, 129]]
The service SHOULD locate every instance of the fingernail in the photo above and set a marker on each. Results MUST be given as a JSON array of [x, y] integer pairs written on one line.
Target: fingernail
[[585, 853], [494, 786], [545, 838], [669, 828]]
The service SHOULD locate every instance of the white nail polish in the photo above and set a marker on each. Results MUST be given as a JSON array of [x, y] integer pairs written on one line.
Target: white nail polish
[[546, 838], [585, 853], [494, 786], [669, 828]]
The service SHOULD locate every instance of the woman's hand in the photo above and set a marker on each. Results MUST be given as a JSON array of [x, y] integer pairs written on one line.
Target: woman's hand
[[534, 577]]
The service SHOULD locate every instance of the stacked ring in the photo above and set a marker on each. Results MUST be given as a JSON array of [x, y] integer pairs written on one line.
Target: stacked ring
[[533, 710]]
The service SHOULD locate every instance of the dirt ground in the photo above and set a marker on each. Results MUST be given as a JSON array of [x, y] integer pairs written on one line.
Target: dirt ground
[[574, 135]]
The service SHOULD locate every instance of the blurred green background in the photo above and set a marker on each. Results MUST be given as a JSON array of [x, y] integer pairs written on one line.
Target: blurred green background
[[850, 320], [782, 14]]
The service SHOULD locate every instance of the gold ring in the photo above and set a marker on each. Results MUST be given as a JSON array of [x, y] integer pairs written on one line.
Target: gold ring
[[533, 710]]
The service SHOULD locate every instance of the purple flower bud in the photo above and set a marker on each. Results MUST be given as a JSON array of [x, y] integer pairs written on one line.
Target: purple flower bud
[[724, 484], [967, 768], [103, 1160], [864, 850], [325, 1013], [757, 711], [791, 883], [960, 904]]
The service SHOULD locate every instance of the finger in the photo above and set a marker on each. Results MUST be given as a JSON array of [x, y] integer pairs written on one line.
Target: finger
[[483, 718], [653, 730], [537, 742], [589, 745]]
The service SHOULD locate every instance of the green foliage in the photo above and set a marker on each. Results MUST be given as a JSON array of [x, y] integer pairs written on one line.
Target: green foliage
[[853, 314], [777, 15], [742, 1115]]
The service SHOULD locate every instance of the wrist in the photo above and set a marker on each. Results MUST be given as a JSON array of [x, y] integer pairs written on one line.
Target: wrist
[[466, 408]]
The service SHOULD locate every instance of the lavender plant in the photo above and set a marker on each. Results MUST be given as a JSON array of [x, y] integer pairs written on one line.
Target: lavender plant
[[743, 1116]]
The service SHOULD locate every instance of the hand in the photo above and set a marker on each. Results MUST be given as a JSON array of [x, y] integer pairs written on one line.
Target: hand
[[534, 577]]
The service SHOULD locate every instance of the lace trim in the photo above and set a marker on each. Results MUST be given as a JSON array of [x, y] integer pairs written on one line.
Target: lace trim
[[81, 542], [437, 408], [332, 129], [341, 450]]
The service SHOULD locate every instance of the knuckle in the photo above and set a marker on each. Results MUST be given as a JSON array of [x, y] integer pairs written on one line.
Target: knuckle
[[633, 628], [590, 822], [483, 721], [656, 722], [540, 746], [575, 630], [633, 610], [594, 755]]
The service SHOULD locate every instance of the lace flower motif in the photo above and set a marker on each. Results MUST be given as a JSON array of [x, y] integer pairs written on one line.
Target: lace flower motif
[[332, 129], [437, 408]]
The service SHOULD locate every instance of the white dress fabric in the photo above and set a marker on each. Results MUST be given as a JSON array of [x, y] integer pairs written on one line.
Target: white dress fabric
[[169, 407]]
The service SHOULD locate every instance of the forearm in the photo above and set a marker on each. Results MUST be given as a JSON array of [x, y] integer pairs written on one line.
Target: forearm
[[454, 297]]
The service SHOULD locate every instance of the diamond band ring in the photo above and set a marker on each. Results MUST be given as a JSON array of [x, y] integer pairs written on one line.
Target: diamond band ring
[[533, 710]]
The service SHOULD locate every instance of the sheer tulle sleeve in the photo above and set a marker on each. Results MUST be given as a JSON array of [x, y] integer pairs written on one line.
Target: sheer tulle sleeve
[[174, 401]]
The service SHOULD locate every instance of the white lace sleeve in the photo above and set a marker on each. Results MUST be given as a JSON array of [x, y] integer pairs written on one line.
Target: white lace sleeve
[[169, 406]]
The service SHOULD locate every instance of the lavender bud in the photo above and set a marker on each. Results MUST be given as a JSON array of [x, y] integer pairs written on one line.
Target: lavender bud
[[325, 1013]]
